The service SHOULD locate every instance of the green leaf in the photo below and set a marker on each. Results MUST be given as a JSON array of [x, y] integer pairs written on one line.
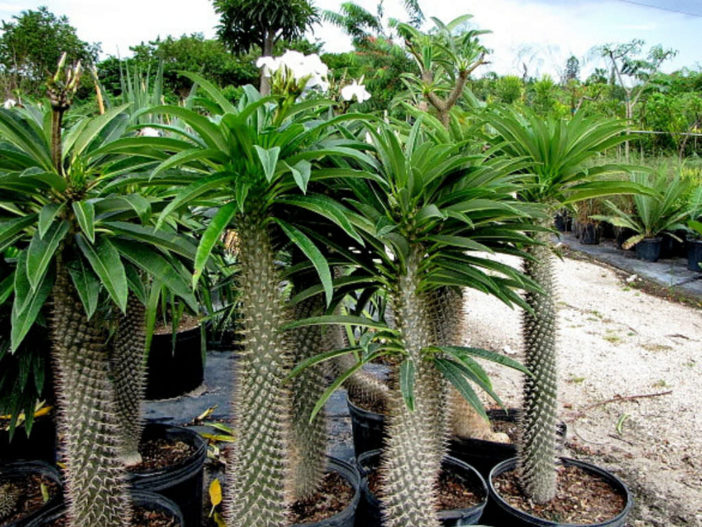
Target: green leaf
[[211, 236], [326, 207], [346, 320], [301, 172], [140, 204], [313, 253], [85, 214], [41, 251], [455, 376], [28, 302], [10, 228], [105, 261], [87, 285], [407, 371], [7, 286], [322, 357], [484, 354], [47, 215], [269, 160]]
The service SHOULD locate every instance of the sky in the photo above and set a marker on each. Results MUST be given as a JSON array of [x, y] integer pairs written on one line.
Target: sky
[[539, 33]]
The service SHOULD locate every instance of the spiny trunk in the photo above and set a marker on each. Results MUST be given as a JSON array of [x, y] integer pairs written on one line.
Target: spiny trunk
[[309, 440], [537, 448], [95, 481], [259, 471], [9, 497], [411, 462], [128, 363]]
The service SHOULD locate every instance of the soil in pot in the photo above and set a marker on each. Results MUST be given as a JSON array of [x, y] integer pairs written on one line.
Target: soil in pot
[[462, 492], [25, 492], [172, 465], [587, 495], [175, 370], [150, 510]]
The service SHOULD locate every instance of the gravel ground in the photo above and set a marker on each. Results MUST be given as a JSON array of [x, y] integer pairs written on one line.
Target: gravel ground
[[619, 342]]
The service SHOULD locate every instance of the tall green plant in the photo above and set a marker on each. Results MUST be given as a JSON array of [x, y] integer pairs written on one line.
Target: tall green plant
[[256, 163], [560, 154], [80, 252]]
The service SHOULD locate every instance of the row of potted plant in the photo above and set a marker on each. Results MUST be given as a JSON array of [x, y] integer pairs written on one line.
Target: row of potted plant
[[99, 220]]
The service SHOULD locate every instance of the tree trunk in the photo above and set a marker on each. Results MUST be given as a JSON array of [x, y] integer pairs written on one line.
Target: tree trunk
[[128, 365], [410, 463], [309, 440], [95, 481], [537, 446], [259, 472], [268, 42]]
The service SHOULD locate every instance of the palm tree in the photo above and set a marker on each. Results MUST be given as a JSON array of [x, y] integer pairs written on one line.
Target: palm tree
[[256, 163], [561, 172], [426, 217], [80, 251]]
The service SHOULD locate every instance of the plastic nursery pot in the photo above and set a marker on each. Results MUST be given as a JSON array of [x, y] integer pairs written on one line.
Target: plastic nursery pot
[[369, 512], [41, 443], [649, 249], [589, 234], [182, 482], [622, 234], [19, 470], [694, 255], [367, 428], [346, 517], [140, 498], [483, 455], [508, 515], [174, 371]]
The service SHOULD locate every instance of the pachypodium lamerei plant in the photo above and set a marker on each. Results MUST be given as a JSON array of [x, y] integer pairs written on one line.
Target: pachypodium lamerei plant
[[425, 217], [561, 172], [255, 163], [80, 252], [9, 496]]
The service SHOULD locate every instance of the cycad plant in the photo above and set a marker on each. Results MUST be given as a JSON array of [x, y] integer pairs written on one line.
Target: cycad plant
[[426, 218], [561, 172], [664, 209], [255, 163], [80, 252]]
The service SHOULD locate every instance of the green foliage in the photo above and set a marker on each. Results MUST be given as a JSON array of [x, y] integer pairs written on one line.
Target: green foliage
[[31, 45]]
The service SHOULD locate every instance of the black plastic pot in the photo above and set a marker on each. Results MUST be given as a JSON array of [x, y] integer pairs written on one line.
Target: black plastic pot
[[369, 514], [484, 455], [140, 498], [563, 222], [509, 516], [607, 230], [622, 234], [346, 517], [41, 443], [181, 483], [649, 249], [694, 255], [21, 469], [589, 234], [174, 371], [368, 429]]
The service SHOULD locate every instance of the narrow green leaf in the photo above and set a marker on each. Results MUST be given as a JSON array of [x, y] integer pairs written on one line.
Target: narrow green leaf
[[313, 253], [455, 376], [10, 228], [87, 285], [211, 236], [41, 251], [85, 214], [301, 172], [47, 215], [322, 357], [407, 371], [487, 355], [269, 160], [345, 320], [25, 310], [106, 262]]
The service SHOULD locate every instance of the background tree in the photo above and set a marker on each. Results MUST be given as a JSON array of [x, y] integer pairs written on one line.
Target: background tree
[[31, 45], [248, 23]]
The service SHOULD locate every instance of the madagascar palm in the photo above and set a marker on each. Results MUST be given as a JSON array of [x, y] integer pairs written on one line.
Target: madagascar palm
[[426, 219], [81, 253], [560, 154], [253, 163]]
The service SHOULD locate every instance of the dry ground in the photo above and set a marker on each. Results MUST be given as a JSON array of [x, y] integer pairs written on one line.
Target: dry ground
[[617, 341]]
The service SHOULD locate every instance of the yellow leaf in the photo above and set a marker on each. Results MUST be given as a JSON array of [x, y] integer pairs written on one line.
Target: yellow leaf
[[219, 521], [215, 492]]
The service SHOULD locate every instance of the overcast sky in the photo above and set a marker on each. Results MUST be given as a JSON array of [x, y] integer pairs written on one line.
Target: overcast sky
[[542, 33]]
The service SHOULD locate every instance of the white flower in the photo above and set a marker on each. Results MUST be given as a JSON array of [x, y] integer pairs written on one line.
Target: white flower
[[355, 90], [9, 103], [308, 69], [149, 132]]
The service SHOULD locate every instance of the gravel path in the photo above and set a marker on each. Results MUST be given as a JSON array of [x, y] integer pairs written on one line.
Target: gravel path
[[616, 341]]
